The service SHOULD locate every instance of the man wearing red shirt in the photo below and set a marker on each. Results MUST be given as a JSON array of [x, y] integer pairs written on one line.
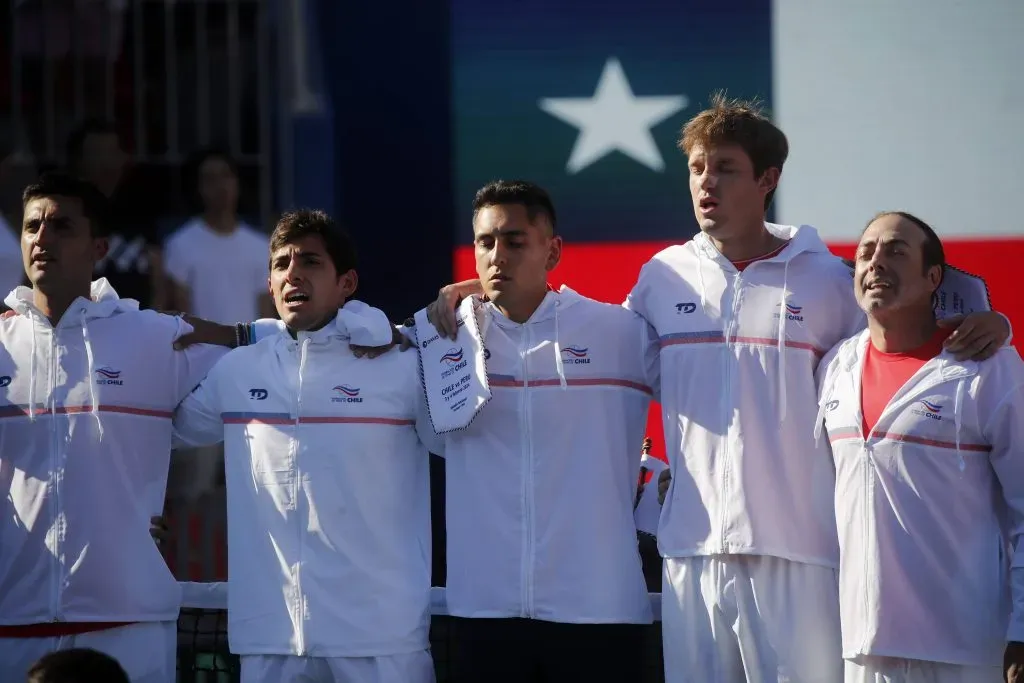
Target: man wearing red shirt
[[929, 494]]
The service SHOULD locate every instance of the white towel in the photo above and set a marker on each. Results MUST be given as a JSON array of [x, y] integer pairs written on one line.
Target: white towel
[[961, 293], [454, 373]]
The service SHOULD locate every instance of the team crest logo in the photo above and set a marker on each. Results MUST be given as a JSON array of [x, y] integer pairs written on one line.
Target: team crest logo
[[107, 375], [928, 409], [346, 394], [452, 357], [575, 355], [792, 312]]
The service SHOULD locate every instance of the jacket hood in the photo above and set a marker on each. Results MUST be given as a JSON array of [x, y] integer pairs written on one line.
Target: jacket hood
[[103, 303]]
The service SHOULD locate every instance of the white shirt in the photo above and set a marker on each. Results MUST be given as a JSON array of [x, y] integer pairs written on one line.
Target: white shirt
[[930, 508], [328, 493], [225, 274]]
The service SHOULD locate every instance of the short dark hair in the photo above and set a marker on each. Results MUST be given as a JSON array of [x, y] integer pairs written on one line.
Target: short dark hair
[[60, 184], [932, 253], [742, 123], [294, 225], [77, 665], [76, 139], [534, 198]]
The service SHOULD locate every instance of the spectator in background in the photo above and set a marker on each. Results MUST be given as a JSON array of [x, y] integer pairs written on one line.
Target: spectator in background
[[78, 665], [133, 264], [216, 264], [11, 272], [217, 269]]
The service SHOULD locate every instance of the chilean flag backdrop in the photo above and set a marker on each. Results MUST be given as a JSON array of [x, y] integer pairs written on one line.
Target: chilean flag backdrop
[[908, 105]]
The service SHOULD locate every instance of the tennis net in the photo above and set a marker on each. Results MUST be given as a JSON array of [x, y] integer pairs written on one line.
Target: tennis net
[[203, 655]]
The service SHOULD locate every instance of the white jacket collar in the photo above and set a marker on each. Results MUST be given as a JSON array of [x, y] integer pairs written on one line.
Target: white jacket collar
[[799, 240], [552, 303], [356, 322], [103, 303]]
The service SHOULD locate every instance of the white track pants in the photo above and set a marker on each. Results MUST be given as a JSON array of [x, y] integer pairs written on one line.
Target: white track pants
[[893, 670], [753, 618], [412, 667]]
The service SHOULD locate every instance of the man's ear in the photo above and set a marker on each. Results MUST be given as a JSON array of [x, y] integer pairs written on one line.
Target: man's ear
[[349, 281], [554, 253], [935, 278], [100, 247], [769, 180]]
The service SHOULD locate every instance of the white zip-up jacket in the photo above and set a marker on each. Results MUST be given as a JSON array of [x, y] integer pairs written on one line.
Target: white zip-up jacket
[[738, 394], [328, 492], [570, 392], [85, 440], [928, 507]]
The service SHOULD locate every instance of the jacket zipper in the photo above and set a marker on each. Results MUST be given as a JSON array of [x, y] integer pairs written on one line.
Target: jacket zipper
[[727, 400], [300, 608], [57, 475], [868, 507], [527, 565]]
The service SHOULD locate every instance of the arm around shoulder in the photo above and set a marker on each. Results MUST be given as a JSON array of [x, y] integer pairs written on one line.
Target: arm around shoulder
[[198, 418]]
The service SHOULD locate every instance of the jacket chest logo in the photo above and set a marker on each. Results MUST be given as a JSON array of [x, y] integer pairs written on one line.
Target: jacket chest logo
[[107, 375], [928, 409], [791, 311], [575, 355], [345, 393]]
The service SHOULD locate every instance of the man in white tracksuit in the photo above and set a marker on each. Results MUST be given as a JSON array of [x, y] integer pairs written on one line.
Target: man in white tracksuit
[[327, 480], [545, 581], [88, 383], [929, 498]]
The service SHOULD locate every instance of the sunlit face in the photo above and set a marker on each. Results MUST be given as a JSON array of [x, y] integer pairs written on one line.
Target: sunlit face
[[307, 289], [58, 250], [726, 194], [889, 273], [218, 185], [513, 254]]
